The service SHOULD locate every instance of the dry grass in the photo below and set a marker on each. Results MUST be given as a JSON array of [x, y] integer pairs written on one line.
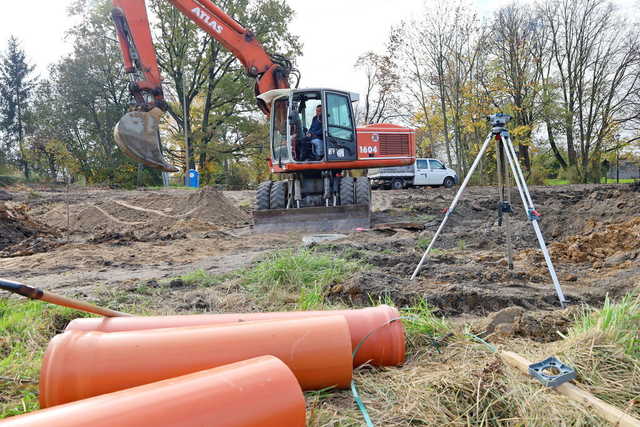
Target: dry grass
[[468, 385]]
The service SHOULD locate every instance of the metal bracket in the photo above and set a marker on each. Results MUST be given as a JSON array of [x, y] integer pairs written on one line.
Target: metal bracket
[[533, 215], [505, 207], [565, 373]]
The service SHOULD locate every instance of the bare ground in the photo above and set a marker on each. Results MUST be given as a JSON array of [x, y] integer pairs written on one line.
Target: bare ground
[[125, 242], [116, 238]]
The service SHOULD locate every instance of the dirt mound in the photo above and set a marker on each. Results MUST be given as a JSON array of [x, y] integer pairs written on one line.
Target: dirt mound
[[20, 234], [611, 243], [211, 205], [149, 212]]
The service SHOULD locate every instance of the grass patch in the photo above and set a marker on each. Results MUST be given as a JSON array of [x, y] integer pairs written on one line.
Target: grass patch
[[6, 180], [423, 243], [423, 326], [422, 320], [619, 320], [203, 278], [25, 329], [298, 277], [558, 181]]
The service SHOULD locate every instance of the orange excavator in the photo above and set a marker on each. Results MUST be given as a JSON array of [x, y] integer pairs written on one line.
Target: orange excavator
[[317, 193]]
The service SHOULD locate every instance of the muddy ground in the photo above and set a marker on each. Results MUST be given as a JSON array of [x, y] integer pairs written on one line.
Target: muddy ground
[[86, 242]]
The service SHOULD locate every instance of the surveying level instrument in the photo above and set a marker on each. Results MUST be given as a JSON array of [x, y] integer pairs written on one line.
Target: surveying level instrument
[[505, 150]]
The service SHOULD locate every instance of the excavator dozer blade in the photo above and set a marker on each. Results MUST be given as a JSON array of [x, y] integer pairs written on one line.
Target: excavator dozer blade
[[321, 219], [137, 135]]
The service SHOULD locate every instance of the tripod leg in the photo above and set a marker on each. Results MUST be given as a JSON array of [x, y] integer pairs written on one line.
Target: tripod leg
[[509, 147], [528, 205], [503, 180], [453, 204]]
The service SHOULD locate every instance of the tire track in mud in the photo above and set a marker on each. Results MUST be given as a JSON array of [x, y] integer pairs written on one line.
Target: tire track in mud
[[111, 217], [153, 211]]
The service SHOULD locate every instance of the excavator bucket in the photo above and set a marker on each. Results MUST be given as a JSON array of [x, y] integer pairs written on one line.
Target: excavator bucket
[[313, 220], [137, 135]]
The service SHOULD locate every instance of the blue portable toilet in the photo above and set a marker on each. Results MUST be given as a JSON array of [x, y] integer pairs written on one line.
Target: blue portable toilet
[[193, 179]]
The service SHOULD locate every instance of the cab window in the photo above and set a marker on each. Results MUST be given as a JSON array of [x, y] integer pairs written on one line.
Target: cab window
[[339, 122], [435, 164], [279, 135], [422, 164]]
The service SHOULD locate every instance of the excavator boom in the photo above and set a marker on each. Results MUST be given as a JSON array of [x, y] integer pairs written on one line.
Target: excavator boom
[[137, 133]]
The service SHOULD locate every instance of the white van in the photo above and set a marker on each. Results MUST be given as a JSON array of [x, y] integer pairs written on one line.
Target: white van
[[431, 172]]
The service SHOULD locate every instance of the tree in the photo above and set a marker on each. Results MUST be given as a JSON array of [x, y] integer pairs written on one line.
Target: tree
[[380, 102], [16, 85], [423, 54], [216, 82], [596, 55], [516, 30], [440, 56], [85, 96]]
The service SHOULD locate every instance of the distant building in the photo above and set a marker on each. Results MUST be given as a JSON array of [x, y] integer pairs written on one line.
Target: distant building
[[628, 170]]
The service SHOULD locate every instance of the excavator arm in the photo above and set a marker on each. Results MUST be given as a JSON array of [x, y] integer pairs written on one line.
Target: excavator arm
[[137, 132]]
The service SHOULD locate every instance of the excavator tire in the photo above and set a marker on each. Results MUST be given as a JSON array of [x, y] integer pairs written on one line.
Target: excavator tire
[[347, 191], [263, 196], [278, 199], [363, 191]]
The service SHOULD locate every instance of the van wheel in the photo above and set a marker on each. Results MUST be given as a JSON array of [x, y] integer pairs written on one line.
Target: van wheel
[[347, 191], [397, 184], [448, 182]]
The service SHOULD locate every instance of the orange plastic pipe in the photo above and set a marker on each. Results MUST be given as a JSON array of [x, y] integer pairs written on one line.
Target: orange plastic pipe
[[257, 392], [384, 347], [78, 365]]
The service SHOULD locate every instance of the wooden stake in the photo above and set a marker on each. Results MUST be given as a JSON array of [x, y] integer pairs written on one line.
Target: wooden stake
[[67, 200], [612, 414]]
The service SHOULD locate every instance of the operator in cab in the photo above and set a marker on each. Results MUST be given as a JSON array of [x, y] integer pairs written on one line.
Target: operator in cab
[[314, 135]]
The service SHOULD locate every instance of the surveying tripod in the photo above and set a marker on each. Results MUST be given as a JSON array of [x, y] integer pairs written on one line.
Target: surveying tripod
[[501, 135]]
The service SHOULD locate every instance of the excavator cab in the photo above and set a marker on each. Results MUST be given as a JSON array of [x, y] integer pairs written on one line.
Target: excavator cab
[[292, 115]]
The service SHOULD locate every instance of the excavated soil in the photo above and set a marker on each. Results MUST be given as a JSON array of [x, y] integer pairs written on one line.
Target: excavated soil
[[593, 234], [21, 235], [119, 239], [151, 211]]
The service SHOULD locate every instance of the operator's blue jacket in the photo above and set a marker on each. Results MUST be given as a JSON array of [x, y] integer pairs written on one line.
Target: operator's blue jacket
[[316, 128]]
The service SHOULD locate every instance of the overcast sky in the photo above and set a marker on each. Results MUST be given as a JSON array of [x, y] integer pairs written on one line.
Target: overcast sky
[[334, 33]]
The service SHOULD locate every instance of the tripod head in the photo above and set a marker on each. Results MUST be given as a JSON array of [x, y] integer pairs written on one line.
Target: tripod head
[[499, 122]]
